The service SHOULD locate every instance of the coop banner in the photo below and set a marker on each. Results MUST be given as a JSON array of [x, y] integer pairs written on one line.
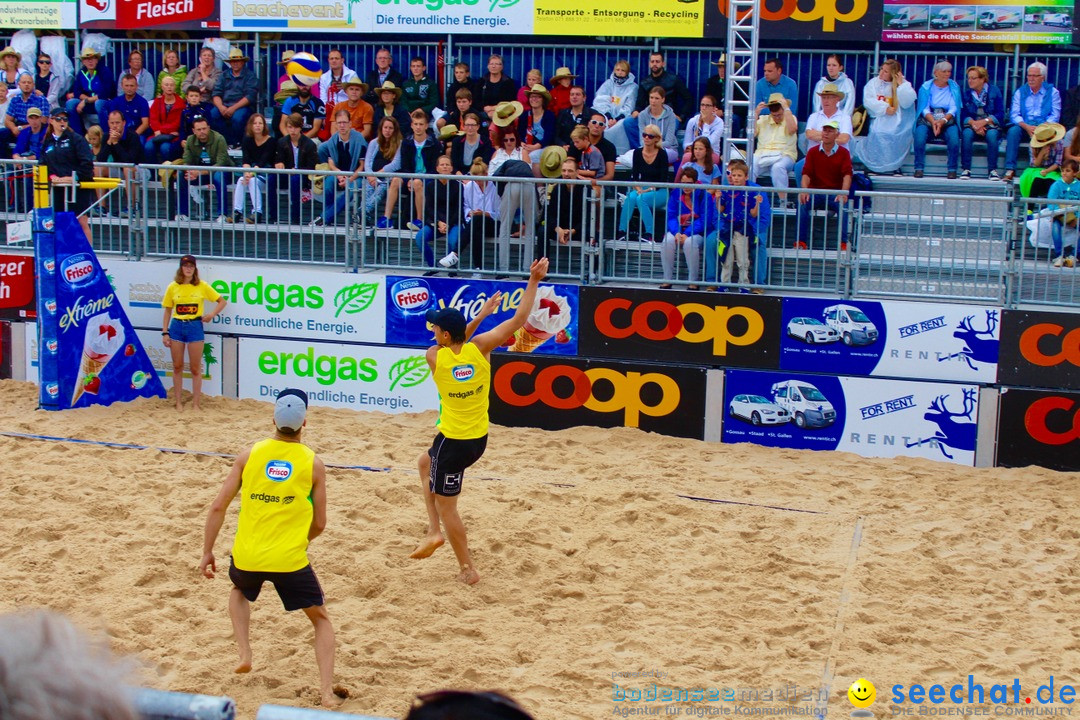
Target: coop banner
[[835, 20], [149, 14], [1040, 349], [866, 416], [358, 377], [1039, 427], [267, 300], [551, 328], [969, 21], [892, 339], [17, 286]]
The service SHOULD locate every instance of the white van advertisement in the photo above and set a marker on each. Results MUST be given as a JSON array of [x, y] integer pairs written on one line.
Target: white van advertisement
[[358, 377], [866, 416], [923, 341], [267, 300]]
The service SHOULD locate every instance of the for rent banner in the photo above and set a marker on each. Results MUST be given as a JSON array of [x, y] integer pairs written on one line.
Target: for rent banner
[[979, 21], [1040, 349], [1038, 427]]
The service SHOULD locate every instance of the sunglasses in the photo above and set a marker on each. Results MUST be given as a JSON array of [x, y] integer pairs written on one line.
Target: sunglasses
[[596, 122], [649, 136], [44, 62], [509, 140]]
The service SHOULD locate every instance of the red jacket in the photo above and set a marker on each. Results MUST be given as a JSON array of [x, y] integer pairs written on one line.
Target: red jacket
[[166, 122], [560, 99]]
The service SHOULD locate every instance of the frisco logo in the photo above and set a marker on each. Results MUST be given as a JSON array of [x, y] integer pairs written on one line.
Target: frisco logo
[[463, 372], [411, 296], [77, 270], [53, 389], [50, 266], [50, 305], [278, 470], [51, 345]]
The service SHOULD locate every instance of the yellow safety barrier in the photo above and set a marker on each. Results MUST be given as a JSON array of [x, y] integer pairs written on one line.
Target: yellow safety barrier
[[41, 187], [103, 183]]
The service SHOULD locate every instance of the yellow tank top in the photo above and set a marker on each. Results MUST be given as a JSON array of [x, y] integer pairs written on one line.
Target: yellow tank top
[[464, 382], [275, 508]]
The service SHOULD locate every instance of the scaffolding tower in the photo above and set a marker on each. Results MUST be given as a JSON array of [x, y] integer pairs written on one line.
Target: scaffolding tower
[[741, 75]]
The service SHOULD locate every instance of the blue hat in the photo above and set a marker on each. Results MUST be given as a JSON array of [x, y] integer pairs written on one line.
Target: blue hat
[[290, 409], [449, 319]]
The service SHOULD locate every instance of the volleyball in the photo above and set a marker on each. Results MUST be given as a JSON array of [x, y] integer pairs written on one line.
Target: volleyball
[[304, 69]]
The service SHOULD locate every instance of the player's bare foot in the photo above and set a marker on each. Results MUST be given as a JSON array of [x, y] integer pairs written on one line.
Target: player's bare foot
[[179, 406], [196, 405], [332, 699], [244, 666], [468, 575], [428, 546]]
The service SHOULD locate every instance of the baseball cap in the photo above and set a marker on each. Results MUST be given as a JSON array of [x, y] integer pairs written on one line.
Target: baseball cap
[[58, 113], [834, 124], [449, 319], [290, 409], [33, 112], [188, 260]]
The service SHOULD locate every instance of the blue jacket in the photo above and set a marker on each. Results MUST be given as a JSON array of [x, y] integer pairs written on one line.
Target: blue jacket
[[701, 202], [547, 122], [28, 144], [102, 84], [356, 149], [736, 216], [994, 108], [924, 97]]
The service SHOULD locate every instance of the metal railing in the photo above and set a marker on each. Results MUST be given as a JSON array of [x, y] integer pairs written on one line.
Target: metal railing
[[1044, 254]]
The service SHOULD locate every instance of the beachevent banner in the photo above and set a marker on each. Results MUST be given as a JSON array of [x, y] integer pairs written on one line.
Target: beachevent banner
[[149, 14], [323, 16], [1040, 349], [978, 21], [89, 353], [17, 286], [867, 416], [839, 21], [926, 341], [264, 299], [551, 328], [358, 377], [39, 15]]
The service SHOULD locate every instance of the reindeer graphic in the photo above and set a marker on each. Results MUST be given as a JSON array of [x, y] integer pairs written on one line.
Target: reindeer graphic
[[979, 345], [956, 435]]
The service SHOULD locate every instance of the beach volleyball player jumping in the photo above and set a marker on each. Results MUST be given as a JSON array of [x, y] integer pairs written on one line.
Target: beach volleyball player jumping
[[461, 368]]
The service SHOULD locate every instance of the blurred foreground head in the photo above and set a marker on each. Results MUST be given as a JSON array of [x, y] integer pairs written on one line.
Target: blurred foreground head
[[50, 669], [463, 705]]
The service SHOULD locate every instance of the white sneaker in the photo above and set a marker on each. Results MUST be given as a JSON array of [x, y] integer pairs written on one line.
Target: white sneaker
[[182, 218], [450, 260], [221, 220], [1058, 261]]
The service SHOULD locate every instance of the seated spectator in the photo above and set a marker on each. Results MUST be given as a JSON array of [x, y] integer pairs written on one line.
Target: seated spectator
[[311, 110], [286, 56], [649, 166], [569, 118], [560, 83], [20, 103], [11, 68], [890, 103], [419, 154], [388, 106], [361, 115], [657, 113], [830, 99], [703, 160], [133, 107], [383, 73], [95, 138], [981, 116], [288, 91], [510, 149], [166, 117], [776, 148], [686, 213], [204, 147], [145, 81], [678, 97], [939, 107], [463, 105], [333, 82], [834, 75], [28, 147], [588, 161], [1070, 112], [463, 80], [706, 124], [172, 68], [775, 81], [204, 76], [1033, 104], [532, 78], [616, 98], [235, 97], [536, 127], [383, 156], [464, 147], [1067, 187], [194, 107], [442, 213], [344, 151], [88, 102], [295, 151], [565, 218], [828, 167], [1072, 143], [741, 231], [481, 205], [495, 87], [420, 91], [46, 82], [716, 85], [515, 196], [259, 151], [1047, 153], [596, 127], [122, 145]]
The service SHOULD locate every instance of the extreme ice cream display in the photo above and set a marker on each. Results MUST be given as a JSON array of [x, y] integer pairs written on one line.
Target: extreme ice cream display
[[104, 338], [550, 316]]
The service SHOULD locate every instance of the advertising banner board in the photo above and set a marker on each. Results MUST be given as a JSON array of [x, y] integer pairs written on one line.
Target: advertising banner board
[[149, 14], [1040, 349], [1039, 427], [17, 286], [967, 21]]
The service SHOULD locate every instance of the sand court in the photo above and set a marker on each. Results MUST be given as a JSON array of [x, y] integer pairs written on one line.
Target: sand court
[[594, 570]]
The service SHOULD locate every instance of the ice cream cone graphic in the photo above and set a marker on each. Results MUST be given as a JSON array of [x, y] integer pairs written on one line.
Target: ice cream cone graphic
[[104, 336], [549, 315]]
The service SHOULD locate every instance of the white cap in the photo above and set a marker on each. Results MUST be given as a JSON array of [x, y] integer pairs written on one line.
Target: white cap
[[290, 409]]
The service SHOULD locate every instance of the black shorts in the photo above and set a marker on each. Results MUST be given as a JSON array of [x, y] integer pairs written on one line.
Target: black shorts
[[449, 458], [298, 589]]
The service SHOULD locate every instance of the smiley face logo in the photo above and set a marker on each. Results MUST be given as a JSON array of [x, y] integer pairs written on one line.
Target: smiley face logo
[[862, 694]]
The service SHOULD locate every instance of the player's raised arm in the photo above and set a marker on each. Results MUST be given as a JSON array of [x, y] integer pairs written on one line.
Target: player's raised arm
[[486, 342]]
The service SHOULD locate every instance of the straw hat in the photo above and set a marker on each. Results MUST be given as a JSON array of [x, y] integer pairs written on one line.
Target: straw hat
[[551, 160], [721, 61], [563, 72], [506, 113], [355, 81], [831, 89], [88, 52], [1047, 134], [777, 99], [539, 90], [288, 90], [286, 56], [448, 131], [858, 120], [12, 51], [388, 87], [237, 54]]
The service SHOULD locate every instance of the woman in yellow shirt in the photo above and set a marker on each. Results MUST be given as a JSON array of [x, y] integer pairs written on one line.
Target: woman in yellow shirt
[[183, 325]]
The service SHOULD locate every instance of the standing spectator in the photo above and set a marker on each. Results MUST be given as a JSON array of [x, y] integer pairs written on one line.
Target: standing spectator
[[204, 147], [259, 151], [679, 98], [383, 73], [420, 91], [67, 154], [482, 207], [194, 108], [172, 68], [46, 82], [472, 144], [15, 119], [166, 115], [1046, 154], [205, 76], [706, 124], [132, 106], [828, 167], [332, 83], [533, 77], [235, 98], [660, 114], [344, 152], [1067, 187], [89, 98], [463, 80], [890, 103], [571, 117], [981, 115], [777, 141], [560, 83], [617, 97], [741, 230], [311, 110], [495, 87], [834, 75], [147, 84], [361, 114], [122, 145], [442, 214], [775, 81], [1033, 104], [596, 127], [463, 105], [686, 212], [939, 106], [649, 166], [295, 151], [389, 106], [536, 127], [10, 66], [419, 155]]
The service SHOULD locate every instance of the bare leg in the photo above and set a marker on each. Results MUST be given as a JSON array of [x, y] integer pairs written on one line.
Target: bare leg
[[392, 196], [240, 612], [195, 350], [177, 349], [455, 530], [418, 198], [324, 653], [434, 538], [84, 221]]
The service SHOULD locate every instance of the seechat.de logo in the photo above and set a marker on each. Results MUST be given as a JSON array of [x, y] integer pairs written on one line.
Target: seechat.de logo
[[278, 470], [1038, 416], [625, 391], [463, 373], [661, 321], [1043, 345], [77, 270], [411, 296]]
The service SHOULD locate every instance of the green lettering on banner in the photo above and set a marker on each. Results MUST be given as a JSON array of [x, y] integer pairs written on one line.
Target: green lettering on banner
[[324, 369], [275, 297]]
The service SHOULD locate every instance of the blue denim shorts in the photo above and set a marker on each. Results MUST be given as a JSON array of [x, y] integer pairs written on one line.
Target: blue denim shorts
[[186, 331]]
